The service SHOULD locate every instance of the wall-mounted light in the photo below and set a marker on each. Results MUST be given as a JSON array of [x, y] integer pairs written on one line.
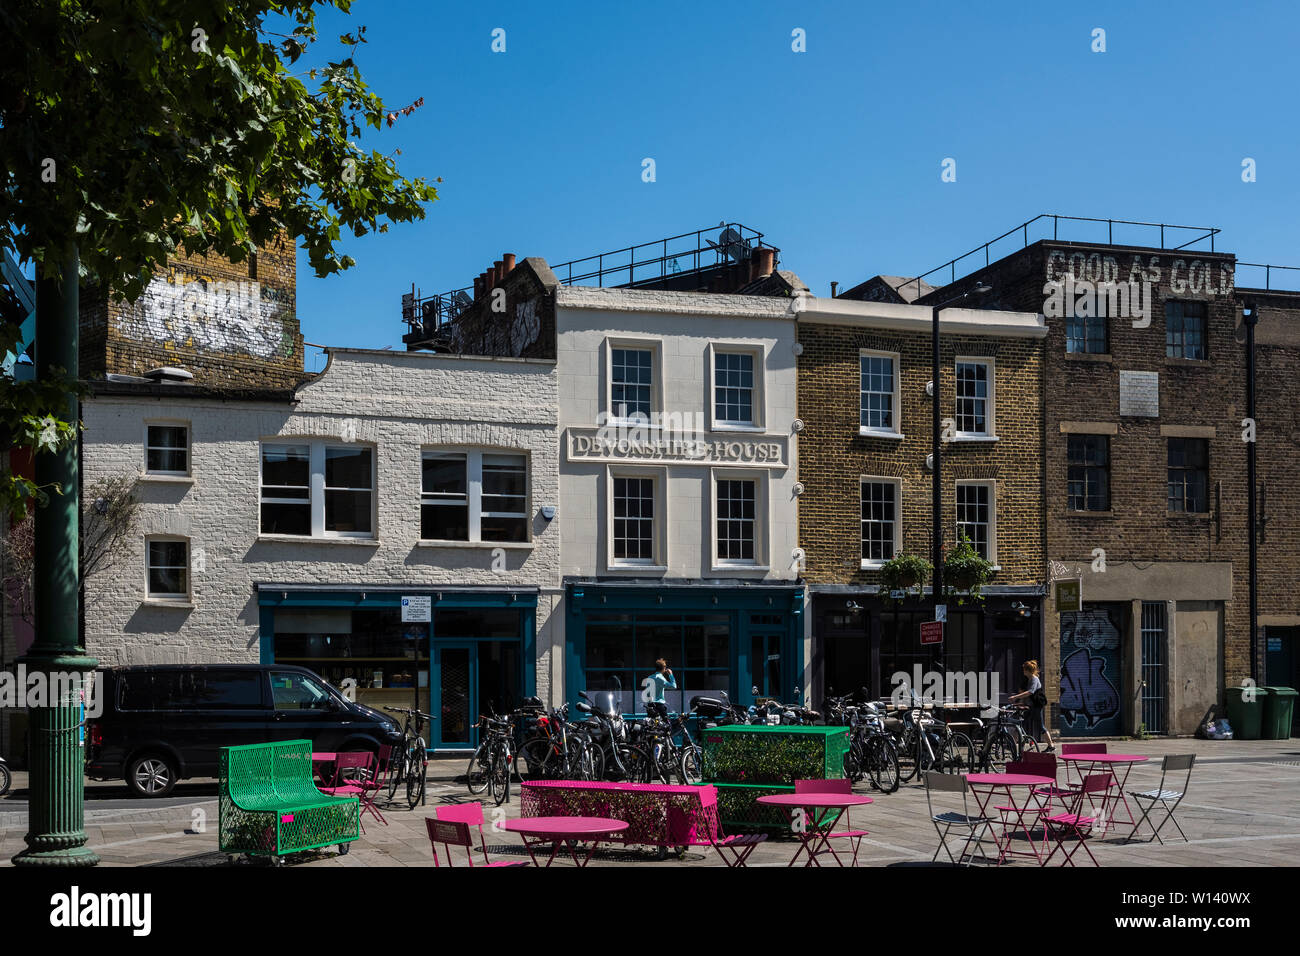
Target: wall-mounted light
[[548, 512], [797, 425], [852, 605]]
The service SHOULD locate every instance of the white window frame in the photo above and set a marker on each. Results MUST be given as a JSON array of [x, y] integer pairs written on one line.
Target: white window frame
[[474, 494], [871, 563], [162, 598], [655, 348], [189, 447], [992, 485], [758, 393], [990, 407], [762, 519], [316, 484], [659, 560], [868, 430]]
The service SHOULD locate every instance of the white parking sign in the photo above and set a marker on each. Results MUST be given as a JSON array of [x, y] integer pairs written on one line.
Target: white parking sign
[[417, 608]]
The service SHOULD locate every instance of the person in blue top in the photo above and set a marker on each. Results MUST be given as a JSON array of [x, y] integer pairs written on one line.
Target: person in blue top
[[655, 685]]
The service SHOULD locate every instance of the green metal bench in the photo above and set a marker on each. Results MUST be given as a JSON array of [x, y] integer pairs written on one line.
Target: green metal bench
[[270, 805]]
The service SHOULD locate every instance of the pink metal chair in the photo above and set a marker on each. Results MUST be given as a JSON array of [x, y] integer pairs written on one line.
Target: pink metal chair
[[738, 845], [841, 785], [374, 783], [452, 833], [1070, 769], [1044, 765], [1074, 827], [470, 814], [350, 769]]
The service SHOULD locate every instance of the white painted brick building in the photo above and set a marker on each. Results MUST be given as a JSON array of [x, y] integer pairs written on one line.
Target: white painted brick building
[[447, 440]]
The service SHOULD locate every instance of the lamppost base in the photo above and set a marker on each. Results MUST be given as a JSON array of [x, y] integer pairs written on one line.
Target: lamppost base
[[68, 858]]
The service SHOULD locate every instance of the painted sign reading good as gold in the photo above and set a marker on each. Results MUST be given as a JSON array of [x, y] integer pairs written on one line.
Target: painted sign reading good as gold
[[652, 445]]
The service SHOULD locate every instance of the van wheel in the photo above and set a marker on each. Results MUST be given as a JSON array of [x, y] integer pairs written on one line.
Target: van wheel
[[152, 775]]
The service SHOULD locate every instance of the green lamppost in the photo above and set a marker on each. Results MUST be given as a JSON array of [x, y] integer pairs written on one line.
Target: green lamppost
[[56, 832]]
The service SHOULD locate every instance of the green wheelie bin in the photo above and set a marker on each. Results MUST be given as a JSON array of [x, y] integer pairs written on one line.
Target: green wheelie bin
[[1279, 710], [1245, 715]]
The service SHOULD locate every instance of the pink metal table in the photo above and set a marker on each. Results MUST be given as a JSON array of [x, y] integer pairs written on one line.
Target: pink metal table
[[984, 786], [814, 830], [564, 831], [1087, 763]]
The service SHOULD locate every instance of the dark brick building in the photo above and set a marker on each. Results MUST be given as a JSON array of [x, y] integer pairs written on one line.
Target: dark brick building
[[1145, 480], [864, 464]]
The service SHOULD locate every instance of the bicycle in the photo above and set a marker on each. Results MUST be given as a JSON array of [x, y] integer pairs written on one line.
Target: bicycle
[[1002, 741], [413, 760], [930, 744], [491, 765]]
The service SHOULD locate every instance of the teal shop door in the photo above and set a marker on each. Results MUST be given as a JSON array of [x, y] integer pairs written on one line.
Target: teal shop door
[[765, 666], [472, 678], [454, 681]]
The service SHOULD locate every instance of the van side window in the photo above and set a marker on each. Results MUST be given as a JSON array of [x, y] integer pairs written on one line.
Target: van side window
[[297, 692]]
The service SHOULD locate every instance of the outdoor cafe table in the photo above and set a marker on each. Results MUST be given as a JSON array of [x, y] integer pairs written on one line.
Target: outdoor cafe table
[[985, 786], [815, 835], [320, 759], [656, 814], [1115, 763], [561, 831]]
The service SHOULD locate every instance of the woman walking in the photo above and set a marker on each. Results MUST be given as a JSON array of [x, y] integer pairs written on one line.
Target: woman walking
[[1035, 699]]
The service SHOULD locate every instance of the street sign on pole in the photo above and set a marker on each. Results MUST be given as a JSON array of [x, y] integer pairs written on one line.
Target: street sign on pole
[[932, 632], [941, 612]]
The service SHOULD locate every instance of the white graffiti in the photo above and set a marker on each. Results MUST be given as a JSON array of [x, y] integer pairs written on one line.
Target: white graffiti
[[218, 315]]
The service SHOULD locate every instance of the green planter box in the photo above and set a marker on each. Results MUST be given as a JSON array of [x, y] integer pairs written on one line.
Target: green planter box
[[738, 808], [758, 755]]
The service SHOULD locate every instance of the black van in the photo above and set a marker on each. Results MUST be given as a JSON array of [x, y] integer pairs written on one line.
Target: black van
[[163, 723]]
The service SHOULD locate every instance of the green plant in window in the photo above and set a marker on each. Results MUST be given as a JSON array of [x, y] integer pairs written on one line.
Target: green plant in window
[[905, 571], [965, 572]]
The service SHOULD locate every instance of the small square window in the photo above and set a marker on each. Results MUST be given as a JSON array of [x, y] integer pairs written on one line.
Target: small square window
[[167, 450], [167, 569]]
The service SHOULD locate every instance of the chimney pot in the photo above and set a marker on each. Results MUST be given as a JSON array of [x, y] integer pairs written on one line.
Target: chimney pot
[[509, 260], [498, 271], [764, 259], [478, 288], [834, 287]]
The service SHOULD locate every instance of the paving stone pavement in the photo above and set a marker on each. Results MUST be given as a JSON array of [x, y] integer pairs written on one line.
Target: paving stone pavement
[[1242, 809]]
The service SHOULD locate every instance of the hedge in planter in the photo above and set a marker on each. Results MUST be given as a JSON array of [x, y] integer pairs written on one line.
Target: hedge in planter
[[757, 755]]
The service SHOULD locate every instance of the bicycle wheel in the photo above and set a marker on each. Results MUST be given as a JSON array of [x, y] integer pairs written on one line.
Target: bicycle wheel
[[5, 779], [478, 776], [641, 767], [398, 774], [854, 762], [415, 781], [881, 759], [1001, 749], [958, 754], [499, 772], [907, 754], [532, 759], [1028, 744], [690, 766], [597, 761]]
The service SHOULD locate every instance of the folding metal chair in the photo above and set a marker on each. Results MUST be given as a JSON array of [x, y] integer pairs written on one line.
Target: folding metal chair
[[1097, 748], [1175, 763], [350, 769], [839, 785], [452, 833], [1074, 826], [471, 814], [1043, 765], [955, 783], [734, 849]]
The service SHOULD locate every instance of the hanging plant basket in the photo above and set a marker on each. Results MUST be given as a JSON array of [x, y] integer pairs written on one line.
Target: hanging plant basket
[[965, 573], [904, 572]]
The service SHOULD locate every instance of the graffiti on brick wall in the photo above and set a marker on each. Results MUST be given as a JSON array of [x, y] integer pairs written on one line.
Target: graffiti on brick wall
[[525, 327], [211, 315], [1090, 673]]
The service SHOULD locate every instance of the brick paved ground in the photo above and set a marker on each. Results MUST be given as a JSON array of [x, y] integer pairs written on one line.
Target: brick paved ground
[[1243, 808]]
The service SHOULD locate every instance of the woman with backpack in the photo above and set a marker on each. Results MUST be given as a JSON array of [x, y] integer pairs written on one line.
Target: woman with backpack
[[1036, 700]]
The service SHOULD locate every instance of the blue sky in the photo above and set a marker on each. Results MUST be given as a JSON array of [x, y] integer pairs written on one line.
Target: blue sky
[[835, 153]]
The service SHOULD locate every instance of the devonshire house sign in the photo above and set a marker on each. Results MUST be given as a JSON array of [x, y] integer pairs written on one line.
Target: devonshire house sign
[[654, 445]]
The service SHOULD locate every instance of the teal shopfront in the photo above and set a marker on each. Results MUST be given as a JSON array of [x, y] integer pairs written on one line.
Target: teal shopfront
[[715, 637], [474, 653]]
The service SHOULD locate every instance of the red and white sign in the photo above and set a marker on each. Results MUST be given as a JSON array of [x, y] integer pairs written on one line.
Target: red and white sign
[[932, 632]]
